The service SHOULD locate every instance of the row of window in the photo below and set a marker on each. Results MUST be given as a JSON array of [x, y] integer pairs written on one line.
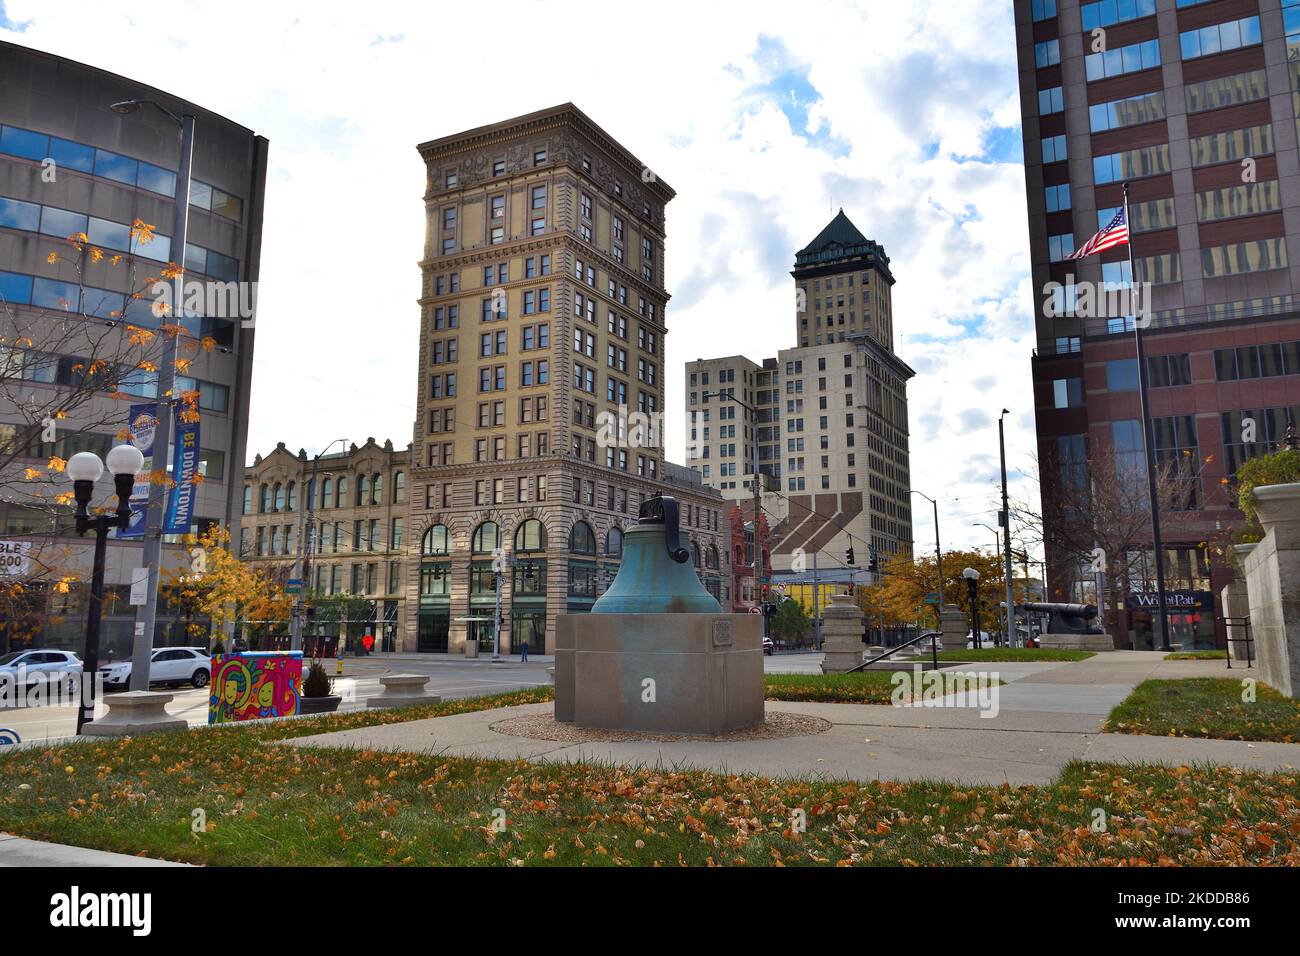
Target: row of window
[[1230, 365], [451, 179], [63, 223], [1200, 97], [67, 154], [1145, 55], [31, 365], [283, 496]]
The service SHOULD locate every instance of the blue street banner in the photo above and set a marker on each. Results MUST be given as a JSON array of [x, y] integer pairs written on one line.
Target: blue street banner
[[185, 465], [141, 426]]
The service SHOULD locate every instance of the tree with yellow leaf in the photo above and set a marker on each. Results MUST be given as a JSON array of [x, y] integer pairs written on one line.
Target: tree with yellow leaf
[[215, 589], [899, 595]]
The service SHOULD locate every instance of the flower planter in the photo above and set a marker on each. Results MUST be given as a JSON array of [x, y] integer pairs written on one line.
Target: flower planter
[[318, 705]]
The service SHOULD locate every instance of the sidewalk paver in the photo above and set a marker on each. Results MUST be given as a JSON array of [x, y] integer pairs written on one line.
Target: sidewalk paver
[[18, 851]]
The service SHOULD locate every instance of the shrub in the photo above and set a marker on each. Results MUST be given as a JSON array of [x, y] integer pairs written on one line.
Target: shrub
[[1278, 468], [317, 682]]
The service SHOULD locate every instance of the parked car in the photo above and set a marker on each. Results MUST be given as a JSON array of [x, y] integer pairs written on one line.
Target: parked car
[[33, 664], [768, 646], [169, 665]]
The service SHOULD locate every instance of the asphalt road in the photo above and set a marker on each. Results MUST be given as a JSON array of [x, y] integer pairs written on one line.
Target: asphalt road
[[448, 677]]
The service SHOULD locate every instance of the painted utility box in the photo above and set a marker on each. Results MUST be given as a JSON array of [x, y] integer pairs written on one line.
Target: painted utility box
[[253, 685]]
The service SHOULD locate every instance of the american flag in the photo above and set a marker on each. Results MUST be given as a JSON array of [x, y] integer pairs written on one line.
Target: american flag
[[1116, 234]]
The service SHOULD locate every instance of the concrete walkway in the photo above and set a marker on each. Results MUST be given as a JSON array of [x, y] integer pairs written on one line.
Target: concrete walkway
[[16, 851], [1047, 715]]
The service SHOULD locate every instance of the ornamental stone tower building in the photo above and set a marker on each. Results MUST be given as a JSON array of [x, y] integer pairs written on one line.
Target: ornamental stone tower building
[[541, 387]]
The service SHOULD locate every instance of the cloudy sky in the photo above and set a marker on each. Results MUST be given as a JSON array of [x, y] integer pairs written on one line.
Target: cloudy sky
[[765, 117]]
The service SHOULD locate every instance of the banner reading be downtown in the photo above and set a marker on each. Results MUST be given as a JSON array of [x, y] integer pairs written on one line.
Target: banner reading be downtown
[[185, 465]]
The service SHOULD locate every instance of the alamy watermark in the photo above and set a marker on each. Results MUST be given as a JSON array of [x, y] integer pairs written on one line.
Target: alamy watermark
[[1098, 300], [48, 689], [969, 689], [236, 301]]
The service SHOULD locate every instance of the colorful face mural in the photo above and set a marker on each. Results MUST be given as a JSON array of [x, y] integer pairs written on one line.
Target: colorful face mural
[[249, 686]]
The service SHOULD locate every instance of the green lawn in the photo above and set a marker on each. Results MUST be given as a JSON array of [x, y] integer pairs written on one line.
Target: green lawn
[[1197, 656], [866, 687], [1207, 707], [1015, 654], [269, 805]]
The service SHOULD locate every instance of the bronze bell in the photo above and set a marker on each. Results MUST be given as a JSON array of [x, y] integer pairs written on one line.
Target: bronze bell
[[656, 576]]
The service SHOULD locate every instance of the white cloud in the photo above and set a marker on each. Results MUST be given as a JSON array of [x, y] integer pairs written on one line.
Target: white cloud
[[888, 100]]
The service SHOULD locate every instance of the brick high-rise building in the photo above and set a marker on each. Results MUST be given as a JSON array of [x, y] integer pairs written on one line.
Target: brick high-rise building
[[541, 388], [1194, 104]]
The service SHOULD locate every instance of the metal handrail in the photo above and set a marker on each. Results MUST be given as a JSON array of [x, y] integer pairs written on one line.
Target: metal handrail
[[934, 649], [1248, 640]]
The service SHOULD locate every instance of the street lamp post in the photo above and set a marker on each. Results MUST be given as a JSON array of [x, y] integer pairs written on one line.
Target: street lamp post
[[938, 552], [1006, 532], [85, 468], [142, 647], [302, 562], [972, 590], [997, 538]]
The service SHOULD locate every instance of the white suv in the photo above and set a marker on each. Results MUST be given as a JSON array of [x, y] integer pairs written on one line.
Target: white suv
[[169, 665]]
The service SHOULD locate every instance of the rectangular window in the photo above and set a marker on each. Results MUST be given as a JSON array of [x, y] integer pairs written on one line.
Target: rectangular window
[[1055, 149], [1047, 53], [1232, 145], [1134, 164], [1131, 111], [1220, 37], [1259, 255], [1121, 60], [1051, 101], [1106, 12], [1226, 91]]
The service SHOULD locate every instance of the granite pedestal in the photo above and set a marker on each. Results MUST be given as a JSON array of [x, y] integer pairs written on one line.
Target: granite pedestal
[[663, 673]]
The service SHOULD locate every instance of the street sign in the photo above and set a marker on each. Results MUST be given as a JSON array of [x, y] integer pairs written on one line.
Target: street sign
[[14, 561], [294, 586], [932, 598], [139, 586]]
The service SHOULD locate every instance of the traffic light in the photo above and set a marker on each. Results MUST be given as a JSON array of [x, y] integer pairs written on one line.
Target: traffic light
[[874, 566], [849, 555]]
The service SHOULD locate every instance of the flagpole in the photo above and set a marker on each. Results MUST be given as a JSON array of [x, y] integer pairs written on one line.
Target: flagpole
[[1148, 432]]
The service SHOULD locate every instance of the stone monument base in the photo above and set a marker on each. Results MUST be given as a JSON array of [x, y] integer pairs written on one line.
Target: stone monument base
[[664, 673], [1078, 642]]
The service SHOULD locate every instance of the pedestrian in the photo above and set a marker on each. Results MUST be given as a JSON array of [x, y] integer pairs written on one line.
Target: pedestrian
[[523, 659]]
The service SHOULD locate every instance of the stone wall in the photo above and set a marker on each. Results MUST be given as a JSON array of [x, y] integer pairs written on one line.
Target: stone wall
[[1272, 572]]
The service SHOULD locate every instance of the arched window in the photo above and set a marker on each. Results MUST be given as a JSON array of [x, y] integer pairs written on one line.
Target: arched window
[[377, 490], [264, 499], [530, 536], [363, 491], [248, 499], [341, 493], [399, 488], [614, 543], [293, 495], [436, 541], [327, 493], [487, 538], [695, 554], [711, 558], [279, 496], [581, 539]]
